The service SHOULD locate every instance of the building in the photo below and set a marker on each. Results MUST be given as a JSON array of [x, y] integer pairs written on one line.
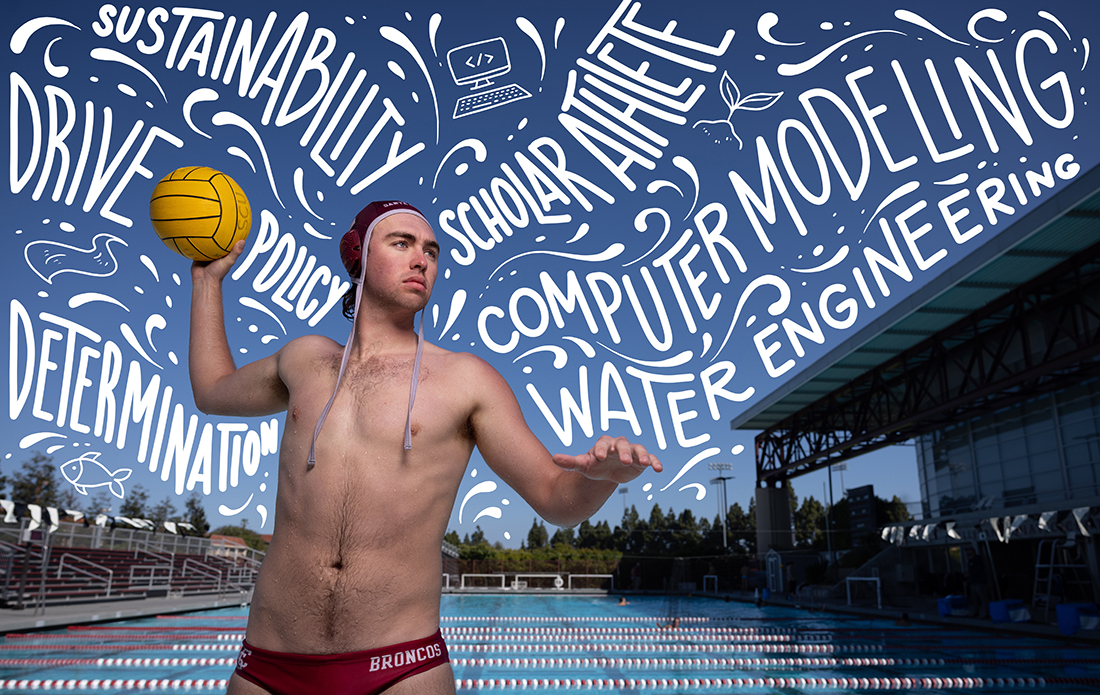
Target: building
[[993, 368], [861, 510]]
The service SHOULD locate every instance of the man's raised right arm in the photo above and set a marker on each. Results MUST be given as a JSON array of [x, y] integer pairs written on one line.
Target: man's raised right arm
[[219, 386]]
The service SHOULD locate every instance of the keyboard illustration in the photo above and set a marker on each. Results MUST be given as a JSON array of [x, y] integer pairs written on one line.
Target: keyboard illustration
[[483, 101]]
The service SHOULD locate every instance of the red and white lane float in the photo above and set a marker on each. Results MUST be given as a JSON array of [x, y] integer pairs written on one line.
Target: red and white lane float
[[907, 683], [194, 684]]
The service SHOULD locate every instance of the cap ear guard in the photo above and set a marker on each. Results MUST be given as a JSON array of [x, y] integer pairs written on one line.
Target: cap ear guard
[[353, 252]]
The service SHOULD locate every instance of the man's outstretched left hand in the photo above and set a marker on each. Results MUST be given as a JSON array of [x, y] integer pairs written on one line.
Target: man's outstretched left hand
[[610, 458]]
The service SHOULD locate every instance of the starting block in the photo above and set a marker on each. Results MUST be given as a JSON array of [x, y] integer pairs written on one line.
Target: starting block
[[1077, 616], [953, 606], [1009, 611]]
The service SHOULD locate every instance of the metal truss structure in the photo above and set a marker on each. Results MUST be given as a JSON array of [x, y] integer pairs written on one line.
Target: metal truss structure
[[1040, 337]]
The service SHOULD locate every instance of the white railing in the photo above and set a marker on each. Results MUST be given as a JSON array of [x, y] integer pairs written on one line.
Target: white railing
[[484, 576], [558, 581], [77, 535], [228, 550], [143, 547], [7, 566], [608, 577], [72, 559], [240, 577], [152, 575], [202, 570], [520, 580], [712, 577]]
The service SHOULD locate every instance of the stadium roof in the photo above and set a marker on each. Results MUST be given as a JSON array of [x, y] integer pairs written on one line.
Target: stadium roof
[[1060, 227]]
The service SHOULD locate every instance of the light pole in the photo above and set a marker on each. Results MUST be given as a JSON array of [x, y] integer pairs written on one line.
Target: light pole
[[622, 491], [721, 468], [830, 522]]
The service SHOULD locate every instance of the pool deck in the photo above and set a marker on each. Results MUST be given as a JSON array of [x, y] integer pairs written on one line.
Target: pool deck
[[63, 615]]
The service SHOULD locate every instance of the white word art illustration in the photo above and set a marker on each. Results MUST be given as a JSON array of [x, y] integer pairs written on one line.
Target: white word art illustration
[[48, 259], [732, 96], [475, 65], [86, 472]]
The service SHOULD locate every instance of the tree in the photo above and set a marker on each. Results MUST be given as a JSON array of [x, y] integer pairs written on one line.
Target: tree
[[842, 524], [741, 527], [624, 537], [196, 515], [163, 511], [537, 537], [686, 538], [597, 537], [809, 524], [893, 511], [603, 536], [69, 499], [653, 536], [250, 537], [100, 502], [562, 537], [475, 547], [134, 504], [36, 482], [452, 538], [478, 537]]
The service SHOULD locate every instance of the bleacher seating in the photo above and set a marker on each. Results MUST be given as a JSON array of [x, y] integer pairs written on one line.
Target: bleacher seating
[[74, 574]]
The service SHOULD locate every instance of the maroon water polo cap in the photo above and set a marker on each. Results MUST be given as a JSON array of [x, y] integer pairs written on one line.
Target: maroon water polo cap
[[358, 237]]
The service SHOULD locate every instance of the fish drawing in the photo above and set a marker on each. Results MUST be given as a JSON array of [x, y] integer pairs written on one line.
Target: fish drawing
[[86, 471], [48, 259]]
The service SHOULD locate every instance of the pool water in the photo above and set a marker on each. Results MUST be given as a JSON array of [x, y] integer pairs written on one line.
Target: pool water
[[526, 643]]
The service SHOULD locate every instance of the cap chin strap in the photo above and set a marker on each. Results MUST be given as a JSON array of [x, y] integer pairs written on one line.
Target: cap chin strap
[[347, 353]]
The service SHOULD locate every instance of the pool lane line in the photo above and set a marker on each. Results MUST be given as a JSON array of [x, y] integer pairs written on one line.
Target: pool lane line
[[151, 637], [613, 631], [651, 618], [577, 662], [902, 683], [169, 616], [688, 648], [115, 662], [16, 684], [605, 639], [527, 648], [908, 683], [579, 619], [122, 647], [697, 663], [147, 628]]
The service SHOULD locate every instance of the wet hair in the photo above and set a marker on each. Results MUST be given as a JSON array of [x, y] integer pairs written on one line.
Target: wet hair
[[348, 303]]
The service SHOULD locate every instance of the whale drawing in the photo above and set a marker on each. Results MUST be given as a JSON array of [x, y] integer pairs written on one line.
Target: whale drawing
[[48, 259], [86, 471]]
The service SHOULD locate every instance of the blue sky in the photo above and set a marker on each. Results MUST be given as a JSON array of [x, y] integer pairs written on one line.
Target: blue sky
[[667, 213]]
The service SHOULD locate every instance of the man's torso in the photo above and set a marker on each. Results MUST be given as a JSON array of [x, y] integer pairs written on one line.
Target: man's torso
[[355, 561]]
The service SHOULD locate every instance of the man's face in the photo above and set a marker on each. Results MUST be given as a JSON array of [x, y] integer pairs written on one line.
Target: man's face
[[402, 261]]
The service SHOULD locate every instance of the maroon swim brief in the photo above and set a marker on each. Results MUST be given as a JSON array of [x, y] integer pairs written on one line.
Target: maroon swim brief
[[355, 673]]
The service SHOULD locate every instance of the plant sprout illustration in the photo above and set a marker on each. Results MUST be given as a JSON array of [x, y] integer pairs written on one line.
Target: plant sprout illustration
[[732, 96]]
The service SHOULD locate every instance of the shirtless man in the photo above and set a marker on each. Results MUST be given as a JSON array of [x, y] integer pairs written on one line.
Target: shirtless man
[[347, 601]]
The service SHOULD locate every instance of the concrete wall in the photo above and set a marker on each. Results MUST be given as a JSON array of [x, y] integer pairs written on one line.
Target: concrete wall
[[773, 520]]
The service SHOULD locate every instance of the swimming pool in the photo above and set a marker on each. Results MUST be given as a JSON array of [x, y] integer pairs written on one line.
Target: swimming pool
[[530, 643]]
